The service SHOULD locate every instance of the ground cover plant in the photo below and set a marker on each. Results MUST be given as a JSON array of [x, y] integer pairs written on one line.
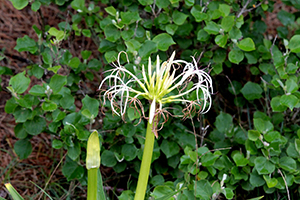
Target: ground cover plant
[[246, 147]]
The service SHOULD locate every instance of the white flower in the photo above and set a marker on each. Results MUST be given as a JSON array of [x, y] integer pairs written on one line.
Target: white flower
[[159, 85]]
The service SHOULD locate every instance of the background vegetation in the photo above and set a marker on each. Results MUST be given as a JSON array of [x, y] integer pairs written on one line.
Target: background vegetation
[[247, 146]]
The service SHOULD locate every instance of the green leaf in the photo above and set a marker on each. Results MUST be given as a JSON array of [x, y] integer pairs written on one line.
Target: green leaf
[[203, 190], [72, 170], [272, 136], [221, 40], [161, 191], [228, 193], [288, 164], [57, 144], [13, 192], [294, 44], [289, 100], [163, 41], [54, 69], [239, 159], [212, 28], [235, 56], [297, 145], [19, 4], [129, 151], [251, 91], [171, 28], [91, 105], [74, 151], [21, 115], [133, 114], [57, 82], [20, 131], [163, 3], [132, 45], [263, 126], [147, 49], [86, 32], [209, 159], [246, 44], [59, 35], [23, 148], [291, 68], [263, 166], [112, 33], [276, 105], [271, 182], [19, 83], [291, 86], [35, 6], [108, 158], [225, 9], [74, 63], [111, 10], [130, 17], [202, 35], [256, 180], [286, 18], [49, 106], [253, 135], [227, 23], [169, 148], [196, 11], [35, 126], [26, 44], [179, 17], [111, 56], [235, 33], [67, 101], [79, 5], [223, 122], [106, 45]]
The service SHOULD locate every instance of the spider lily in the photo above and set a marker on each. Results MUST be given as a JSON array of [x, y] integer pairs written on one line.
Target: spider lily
[[157, 85]]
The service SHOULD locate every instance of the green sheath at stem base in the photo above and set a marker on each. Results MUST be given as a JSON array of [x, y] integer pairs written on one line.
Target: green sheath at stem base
[[92, 184], [146, 163]]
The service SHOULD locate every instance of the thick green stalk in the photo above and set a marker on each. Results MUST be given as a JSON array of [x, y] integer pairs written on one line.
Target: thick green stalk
[[146, 163], [92, 184]]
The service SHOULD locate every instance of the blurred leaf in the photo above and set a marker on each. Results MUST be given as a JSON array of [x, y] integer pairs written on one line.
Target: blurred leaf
[[19, 83], [26, 43], [223, 122], [227, 23], [263, 166], [251, 91], [163, 41], [147, 49], [169, 148], [236, 56], [286, 18], [289, 100], [23, 148], [13, 192], [246, 44], [179, 17], [271, 182], [203, 190], [57, 82]]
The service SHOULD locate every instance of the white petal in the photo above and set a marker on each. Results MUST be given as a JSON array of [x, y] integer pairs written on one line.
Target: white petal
[[152, 111]]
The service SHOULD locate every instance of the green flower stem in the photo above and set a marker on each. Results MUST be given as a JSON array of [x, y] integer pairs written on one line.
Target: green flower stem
[[146, 163], [92, 184]]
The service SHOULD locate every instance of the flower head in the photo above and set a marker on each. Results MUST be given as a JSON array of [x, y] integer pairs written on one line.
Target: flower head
[[165, 84]]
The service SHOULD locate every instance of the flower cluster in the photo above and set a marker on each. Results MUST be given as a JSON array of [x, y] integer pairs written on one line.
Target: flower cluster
[[159, 86]]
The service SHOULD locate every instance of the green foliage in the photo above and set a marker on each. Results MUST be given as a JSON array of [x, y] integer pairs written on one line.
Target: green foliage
[[252, 146]]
